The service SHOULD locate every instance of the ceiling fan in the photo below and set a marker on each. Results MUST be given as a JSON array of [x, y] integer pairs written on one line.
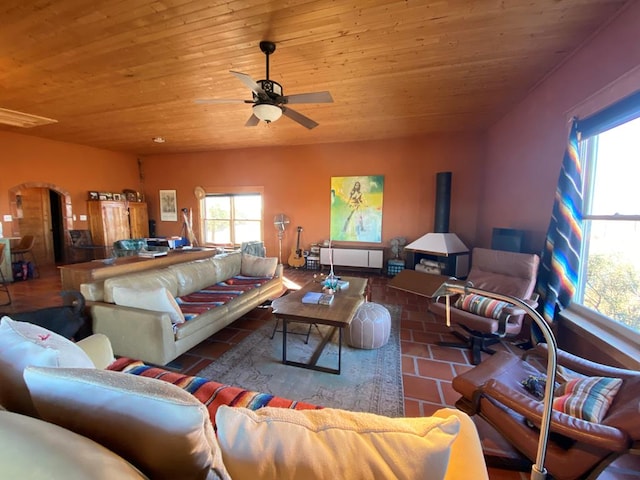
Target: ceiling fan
[[268, 101]]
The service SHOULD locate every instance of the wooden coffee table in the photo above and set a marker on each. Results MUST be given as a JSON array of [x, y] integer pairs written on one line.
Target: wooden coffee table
[[338, 315]]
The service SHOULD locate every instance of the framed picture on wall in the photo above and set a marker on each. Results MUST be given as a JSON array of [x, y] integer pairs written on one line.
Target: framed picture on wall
[[356, 208], [168, 206]]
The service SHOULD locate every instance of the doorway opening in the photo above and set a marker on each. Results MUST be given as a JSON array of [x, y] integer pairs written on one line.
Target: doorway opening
[[44, 211]]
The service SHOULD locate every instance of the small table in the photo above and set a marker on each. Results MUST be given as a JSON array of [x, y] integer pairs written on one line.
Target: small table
[[420, 283], [338, 315]]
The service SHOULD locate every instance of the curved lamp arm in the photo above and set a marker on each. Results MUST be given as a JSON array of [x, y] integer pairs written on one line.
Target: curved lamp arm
[[451, 287]]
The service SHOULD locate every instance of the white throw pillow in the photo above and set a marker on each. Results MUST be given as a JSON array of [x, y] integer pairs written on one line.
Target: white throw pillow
[[157, 300], [23, 344], [278, 443], [253, 266], [161, 429]]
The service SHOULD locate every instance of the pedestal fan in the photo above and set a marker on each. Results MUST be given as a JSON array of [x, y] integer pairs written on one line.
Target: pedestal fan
[[280, 221]]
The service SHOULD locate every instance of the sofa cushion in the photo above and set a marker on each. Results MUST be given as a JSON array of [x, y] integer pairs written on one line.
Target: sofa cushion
[[161, 429], [158, 300], [228, 264], [586, 398], [253, 266], [36, 450], [147, 280], [193, 276], [324, 444], [23, 344]]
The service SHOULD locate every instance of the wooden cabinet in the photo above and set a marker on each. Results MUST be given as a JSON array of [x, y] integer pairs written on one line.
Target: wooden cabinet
[[138, 220], [352, 257], [111, 220], [108, 221]]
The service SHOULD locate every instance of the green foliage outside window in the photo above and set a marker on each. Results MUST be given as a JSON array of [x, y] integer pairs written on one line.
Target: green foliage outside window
[[613, 289]]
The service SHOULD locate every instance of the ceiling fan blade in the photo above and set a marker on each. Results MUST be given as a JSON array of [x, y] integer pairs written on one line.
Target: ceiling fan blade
[[253, 121], [298, 117], [221, 100], [249, 82], [316, 97]]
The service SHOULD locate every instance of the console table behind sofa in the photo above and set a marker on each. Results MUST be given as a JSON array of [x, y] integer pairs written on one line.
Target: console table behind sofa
[[75, 274]]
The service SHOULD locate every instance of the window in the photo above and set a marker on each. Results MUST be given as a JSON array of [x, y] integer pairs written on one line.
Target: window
[[609, 280], [230, 219]]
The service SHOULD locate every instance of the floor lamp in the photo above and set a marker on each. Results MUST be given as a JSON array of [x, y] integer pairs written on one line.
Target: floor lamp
[[451, 287]]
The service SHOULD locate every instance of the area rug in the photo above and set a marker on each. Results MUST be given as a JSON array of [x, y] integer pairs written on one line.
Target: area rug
[[370, 381]]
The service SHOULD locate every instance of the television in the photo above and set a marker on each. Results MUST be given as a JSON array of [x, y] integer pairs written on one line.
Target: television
[[508, 239]]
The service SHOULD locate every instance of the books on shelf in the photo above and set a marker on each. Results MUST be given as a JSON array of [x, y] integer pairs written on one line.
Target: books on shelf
[[317, 298]]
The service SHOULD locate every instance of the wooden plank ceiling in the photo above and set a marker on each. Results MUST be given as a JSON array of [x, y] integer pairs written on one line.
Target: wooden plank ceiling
[[115, 73]]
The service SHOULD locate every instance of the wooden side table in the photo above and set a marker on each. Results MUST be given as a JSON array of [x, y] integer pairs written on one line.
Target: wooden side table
[[420, 283]]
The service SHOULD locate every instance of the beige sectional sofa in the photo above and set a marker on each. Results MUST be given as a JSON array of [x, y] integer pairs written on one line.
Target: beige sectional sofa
[[152, 335], [71, 416]]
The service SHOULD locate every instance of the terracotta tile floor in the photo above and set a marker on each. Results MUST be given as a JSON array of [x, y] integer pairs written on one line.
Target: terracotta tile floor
[[427, 368]]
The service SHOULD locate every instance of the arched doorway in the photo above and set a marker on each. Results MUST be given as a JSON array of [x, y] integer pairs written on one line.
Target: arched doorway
[[44, 211]]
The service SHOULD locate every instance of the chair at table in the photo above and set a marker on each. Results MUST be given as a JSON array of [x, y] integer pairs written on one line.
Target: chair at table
[[255, 247], [25, 247], [82, 248], [129, 247], [3, 281], [485, 321], [578, 448]]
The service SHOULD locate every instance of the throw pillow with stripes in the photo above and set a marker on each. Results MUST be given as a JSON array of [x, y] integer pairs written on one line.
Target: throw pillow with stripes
[[483, 306], [587, 398]]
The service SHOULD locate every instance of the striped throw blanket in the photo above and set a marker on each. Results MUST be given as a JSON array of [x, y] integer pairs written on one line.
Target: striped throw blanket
[[213, 296], [211, 394]]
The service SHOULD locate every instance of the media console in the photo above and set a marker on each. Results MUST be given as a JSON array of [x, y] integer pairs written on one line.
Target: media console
[[370, 257]]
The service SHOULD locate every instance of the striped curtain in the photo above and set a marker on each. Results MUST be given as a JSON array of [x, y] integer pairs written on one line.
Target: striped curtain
[[560, 259]]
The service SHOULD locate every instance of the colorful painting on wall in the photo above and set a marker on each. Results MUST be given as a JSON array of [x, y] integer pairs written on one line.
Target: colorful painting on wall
[[356, 208]]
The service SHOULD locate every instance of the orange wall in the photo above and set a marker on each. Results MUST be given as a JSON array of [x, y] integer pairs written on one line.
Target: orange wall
[[73, 168], [296, 181], [525, 148]]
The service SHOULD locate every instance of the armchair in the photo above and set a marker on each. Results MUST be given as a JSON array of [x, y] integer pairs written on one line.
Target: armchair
[[577, 448], [129, 247], [485, 321], [82, 248], [255, 247]]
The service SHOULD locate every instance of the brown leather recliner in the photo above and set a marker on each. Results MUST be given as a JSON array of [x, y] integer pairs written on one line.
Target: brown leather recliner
[[508, 273], [577, 448]]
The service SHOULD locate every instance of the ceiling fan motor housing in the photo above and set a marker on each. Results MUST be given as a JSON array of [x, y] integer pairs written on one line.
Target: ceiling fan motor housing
[[272, 89]]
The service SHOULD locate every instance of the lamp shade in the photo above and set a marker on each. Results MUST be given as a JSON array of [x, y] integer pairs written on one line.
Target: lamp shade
[[267, 112]]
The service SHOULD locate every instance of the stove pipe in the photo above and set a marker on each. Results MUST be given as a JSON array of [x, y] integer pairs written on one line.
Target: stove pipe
[[440, 242], [443, 202]]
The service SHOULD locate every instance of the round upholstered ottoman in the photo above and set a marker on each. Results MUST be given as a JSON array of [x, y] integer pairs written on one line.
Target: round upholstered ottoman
[[370, 326]]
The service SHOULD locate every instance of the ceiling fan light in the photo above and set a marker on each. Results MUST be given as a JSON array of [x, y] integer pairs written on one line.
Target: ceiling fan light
[[267, 112]]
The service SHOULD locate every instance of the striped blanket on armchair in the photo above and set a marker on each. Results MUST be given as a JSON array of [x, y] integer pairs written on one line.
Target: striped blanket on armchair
[[211, 394]]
